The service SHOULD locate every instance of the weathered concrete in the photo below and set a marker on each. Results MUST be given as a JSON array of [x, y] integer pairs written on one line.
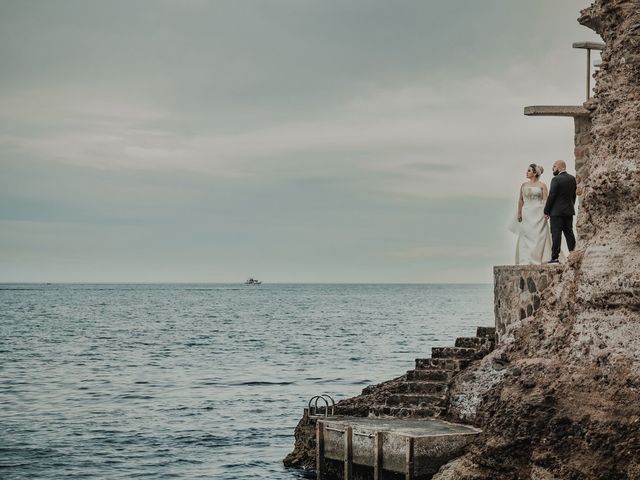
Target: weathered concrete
[[518, 290], [428, 443], [556, 111], [589, 45]]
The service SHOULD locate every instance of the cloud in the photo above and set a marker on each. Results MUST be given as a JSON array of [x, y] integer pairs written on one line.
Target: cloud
[[320, 140], [429, 167], [404, 140]]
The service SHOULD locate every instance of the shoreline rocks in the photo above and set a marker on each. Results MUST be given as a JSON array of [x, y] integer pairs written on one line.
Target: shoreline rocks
[[560, 396]]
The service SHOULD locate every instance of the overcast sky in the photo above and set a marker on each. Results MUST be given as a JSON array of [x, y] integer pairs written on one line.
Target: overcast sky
[[289, 140]]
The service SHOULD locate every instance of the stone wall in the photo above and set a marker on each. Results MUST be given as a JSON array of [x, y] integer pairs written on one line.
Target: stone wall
[[582, 142], [517, 291]]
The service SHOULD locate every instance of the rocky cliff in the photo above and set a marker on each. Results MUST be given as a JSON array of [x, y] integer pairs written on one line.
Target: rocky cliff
[[559, 398], [567, 405]]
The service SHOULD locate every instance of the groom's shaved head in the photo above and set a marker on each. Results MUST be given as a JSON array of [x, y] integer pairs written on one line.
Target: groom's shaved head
[[559, 166]]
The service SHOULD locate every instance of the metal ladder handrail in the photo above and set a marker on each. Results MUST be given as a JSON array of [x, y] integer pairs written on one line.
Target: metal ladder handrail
[[333, 403], [323, 397], [314, 410]]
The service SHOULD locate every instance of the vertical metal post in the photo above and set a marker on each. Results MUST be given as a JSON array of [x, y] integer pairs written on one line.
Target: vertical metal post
[[319, 450], [588, 46], [588, 73], [409, 472], [377, 447], [348, 453]]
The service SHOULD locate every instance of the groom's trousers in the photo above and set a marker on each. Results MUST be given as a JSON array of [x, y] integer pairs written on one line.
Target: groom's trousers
[[560, 225]]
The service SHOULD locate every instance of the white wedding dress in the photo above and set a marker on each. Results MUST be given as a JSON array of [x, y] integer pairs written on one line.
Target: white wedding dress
[[534, 237]]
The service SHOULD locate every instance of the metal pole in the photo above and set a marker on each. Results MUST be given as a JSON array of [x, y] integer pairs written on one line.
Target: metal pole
[[588, 73], [319, 450]]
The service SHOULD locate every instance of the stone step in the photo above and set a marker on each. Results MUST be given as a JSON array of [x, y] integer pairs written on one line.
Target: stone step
[[432, 388], [429, 374], [453, 352], [474, 342], [453, 364], [404, 412], [415, 400], [487, 332]]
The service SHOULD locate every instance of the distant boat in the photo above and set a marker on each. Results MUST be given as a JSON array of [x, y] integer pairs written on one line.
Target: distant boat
[[253, 281]]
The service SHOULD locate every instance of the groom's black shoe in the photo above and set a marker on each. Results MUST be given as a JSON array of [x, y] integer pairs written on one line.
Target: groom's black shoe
[[553, 261]]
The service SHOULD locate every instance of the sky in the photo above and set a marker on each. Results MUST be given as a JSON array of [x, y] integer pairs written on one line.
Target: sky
[[287, 140]]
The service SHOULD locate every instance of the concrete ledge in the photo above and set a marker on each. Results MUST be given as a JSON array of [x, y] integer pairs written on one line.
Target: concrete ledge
[[556, 111], [418, 446], [529, 268], [589, 45]]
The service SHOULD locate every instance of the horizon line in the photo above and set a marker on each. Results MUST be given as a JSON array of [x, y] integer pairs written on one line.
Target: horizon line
[[235, 283]]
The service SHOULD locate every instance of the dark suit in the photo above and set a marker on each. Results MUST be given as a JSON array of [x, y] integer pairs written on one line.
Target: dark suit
[[559, 206]]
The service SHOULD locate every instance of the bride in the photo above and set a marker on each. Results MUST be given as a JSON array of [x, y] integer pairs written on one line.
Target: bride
[[534, 237]]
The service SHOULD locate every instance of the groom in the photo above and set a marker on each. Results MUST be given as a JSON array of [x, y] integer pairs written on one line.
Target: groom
[[559, 206]]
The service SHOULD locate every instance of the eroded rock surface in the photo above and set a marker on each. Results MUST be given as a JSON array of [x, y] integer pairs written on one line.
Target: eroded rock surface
[[560, 397], [568, 403]]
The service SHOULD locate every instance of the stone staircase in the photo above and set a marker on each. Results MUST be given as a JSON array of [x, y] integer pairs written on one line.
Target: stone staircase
[[423, 392]]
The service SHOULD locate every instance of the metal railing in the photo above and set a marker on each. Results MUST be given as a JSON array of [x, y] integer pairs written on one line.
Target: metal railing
[[314, 410]]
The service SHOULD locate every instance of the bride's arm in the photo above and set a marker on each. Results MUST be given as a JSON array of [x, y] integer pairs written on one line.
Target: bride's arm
[[545, 192], [520, 203]]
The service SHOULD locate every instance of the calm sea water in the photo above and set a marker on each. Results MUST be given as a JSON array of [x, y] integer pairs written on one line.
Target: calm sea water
[[198, 381]]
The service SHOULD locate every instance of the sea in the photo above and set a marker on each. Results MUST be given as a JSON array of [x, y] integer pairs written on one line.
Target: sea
[[199, 381]]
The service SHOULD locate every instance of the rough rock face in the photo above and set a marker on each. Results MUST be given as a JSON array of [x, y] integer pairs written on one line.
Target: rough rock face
[[560, 397], [567, 404]]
